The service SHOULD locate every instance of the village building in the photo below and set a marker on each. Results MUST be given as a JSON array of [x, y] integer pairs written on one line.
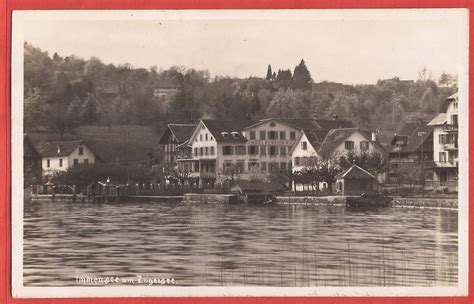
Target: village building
[[61, 155], [251, 150], [176, 135], [342, 141], [165, 92], [355, 181], [412, 144], [445, 147]]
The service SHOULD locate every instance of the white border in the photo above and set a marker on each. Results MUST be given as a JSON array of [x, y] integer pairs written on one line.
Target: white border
[[20, 291]]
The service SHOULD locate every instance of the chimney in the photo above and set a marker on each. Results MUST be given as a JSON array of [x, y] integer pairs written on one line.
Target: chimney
[[334, 117], [374, 136]]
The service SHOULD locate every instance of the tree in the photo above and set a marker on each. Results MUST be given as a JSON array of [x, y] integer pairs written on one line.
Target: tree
[[269, 76], [301, 77], [284, 79]]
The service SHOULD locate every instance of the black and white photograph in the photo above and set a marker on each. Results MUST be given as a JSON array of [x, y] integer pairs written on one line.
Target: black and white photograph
[[239, 153]]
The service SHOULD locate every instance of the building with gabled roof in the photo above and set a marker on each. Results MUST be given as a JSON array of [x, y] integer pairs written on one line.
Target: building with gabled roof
[[413, 143], [174, 136], [340, 142], [445, 145], [60, 155], [355, 181]]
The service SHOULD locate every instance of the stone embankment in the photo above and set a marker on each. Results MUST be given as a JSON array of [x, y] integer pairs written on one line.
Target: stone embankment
[[397, 202]]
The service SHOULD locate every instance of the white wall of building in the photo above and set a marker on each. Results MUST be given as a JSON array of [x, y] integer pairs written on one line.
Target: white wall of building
[[298, 151], [67, 161]]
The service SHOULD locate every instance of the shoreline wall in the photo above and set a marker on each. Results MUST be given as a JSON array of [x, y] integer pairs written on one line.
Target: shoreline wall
[[397, 202]]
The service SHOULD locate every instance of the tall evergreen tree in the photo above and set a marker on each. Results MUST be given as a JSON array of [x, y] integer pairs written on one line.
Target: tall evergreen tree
[[269, 73], [301, 77]]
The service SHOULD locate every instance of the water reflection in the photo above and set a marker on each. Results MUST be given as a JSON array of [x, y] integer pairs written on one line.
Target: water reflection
[[208, 244]]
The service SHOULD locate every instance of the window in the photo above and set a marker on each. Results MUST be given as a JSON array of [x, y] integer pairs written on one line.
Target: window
[[240, 150], [263, 150], [200, 137], [205, 136], [253, 166], [48, 163], [212, 150], [227, 167], [263, 135], [454, 120], [227, 150], [297, 161], [282, 135], [76, 162], [239, 168], [304, 145], [272, 167], [364, 145], [195, 151], [263, 167], [252, 134], [442, 157], [272, 135], [253, 150], [60, 162], [349, 144], [292, 135], [283, 150], [283, 166], [442, 138], [455, 105], [201, 151], [207, 150], [273, 151], [81, 150], [86, 161]]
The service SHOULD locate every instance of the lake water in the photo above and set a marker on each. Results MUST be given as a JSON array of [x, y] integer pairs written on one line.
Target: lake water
[[210, 244]]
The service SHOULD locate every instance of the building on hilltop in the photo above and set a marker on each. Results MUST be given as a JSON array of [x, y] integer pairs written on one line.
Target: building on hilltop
[[445, 146]]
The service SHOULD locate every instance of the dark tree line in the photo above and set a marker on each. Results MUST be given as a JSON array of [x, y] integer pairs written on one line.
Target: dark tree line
[[63, 93]]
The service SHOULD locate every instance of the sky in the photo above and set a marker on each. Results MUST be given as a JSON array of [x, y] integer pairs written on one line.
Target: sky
[[349, 46]]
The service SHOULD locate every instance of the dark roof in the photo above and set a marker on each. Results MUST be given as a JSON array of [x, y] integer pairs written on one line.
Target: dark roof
[[337, 136], [182, 132], [413, 134], [355, 172], [328, 124], [58, 148], [216, 127], [109, 144], [448, 100], [253, 186]]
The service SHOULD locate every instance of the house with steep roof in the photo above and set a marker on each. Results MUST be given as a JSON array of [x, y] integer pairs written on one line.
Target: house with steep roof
[[413, 143], [60, 155], [445, 145], [355, 181], [176, 135], [340, 142]]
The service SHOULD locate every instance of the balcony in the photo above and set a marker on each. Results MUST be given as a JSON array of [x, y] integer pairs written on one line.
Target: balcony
[[450, 128], [203, 156], [450, 147], [447, 164]]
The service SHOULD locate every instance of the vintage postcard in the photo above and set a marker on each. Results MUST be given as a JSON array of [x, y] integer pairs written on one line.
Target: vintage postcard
[[178, 153]]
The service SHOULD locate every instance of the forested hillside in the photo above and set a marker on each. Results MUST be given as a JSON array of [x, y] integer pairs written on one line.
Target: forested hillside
[[64, 93]]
